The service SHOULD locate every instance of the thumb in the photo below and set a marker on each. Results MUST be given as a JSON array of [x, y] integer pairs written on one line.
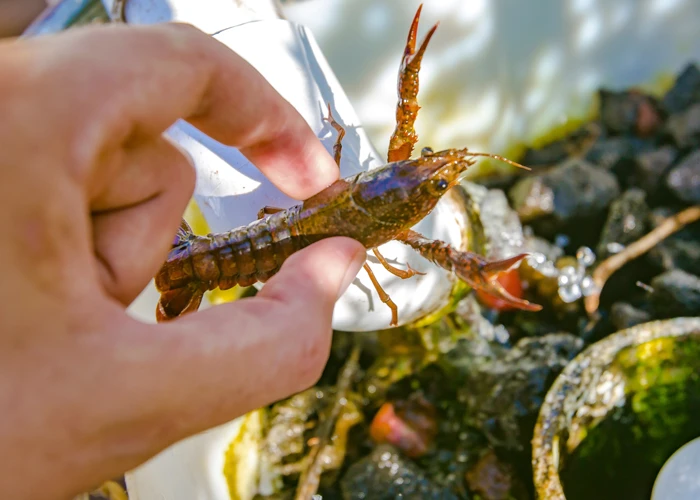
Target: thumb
[[214, 365]]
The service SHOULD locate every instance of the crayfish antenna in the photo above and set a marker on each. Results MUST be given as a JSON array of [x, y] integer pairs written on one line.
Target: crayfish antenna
[[500, 158]]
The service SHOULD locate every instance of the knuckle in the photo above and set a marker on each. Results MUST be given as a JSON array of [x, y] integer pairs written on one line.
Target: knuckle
[[183, 37]]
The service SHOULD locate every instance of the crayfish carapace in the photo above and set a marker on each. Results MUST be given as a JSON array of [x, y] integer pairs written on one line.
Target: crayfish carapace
[[373, 207]]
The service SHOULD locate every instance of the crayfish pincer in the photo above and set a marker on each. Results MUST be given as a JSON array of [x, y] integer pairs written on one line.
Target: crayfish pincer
[[372, 207]]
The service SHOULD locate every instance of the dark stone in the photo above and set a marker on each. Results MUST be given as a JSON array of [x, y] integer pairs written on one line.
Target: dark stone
[[629, 112], [609, 153], [684, 179], [492, 479], [626, 222], [676, 293], [550, 154], [681, 250], [652, 166], [624, 315], [574, 190], [685, 92], [504, 393], [555, 152], [684, 127], [618, 155], [386, 475]]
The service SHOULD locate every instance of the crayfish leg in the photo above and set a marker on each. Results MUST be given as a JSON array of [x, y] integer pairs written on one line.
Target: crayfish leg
[[175, 303], [338, 146], [408, 273], [404, 137], [184, 232], [268, 211], [383, 296], [117, 13], [471, 268]]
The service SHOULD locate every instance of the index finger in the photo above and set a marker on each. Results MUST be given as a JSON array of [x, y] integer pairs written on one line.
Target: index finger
[[136, 81]]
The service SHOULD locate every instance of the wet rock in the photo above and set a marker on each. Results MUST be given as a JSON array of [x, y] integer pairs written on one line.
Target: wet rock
[[538, 270], [501, 180], [684, 127], [536, 245], [684, 179], [618, 155], [685, 91], [458, 449], [629, 111], [498, 224], [624, 315], [559, 150], [575, 190], [676, 293], [504, 392], [677, 253], [626, 222], [484, 331], [391, 367], [681, 250], [549, 154], [651, 168], [386, 475], [525, 324], [409, 424], [492, 479]]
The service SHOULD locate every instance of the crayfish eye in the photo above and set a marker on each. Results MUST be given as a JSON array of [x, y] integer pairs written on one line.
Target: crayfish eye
[[426, 151], [439, 186]]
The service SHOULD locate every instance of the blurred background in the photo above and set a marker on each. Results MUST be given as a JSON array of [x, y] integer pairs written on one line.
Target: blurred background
[[498, 73]]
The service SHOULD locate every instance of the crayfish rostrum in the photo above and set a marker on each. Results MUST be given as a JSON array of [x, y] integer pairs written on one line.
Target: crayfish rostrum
[[372, 207]]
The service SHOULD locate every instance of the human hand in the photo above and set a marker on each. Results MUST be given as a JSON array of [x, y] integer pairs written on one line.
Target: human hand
[[16, 15], [92, 195]]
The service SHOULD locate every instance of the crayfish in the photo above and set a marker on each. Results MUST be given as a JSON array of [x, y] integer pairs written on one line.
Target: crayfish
[[372, 207]]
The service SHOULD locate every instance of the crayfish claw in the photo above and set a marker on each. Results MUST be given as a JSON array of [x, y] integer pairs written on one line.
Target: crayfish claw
[[496, 267], [496, 290], [404, 137], [471, 268], [487, 281]]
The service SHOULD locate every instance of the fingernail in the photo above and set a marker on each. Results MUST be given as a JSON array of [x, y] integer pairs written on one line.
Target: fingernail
[[354, 267]]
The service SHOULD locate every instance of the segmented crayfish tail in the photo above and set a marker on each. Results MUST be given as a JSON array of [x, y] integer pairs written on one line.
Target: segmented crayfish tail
[[178, 301], [175, 303]]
